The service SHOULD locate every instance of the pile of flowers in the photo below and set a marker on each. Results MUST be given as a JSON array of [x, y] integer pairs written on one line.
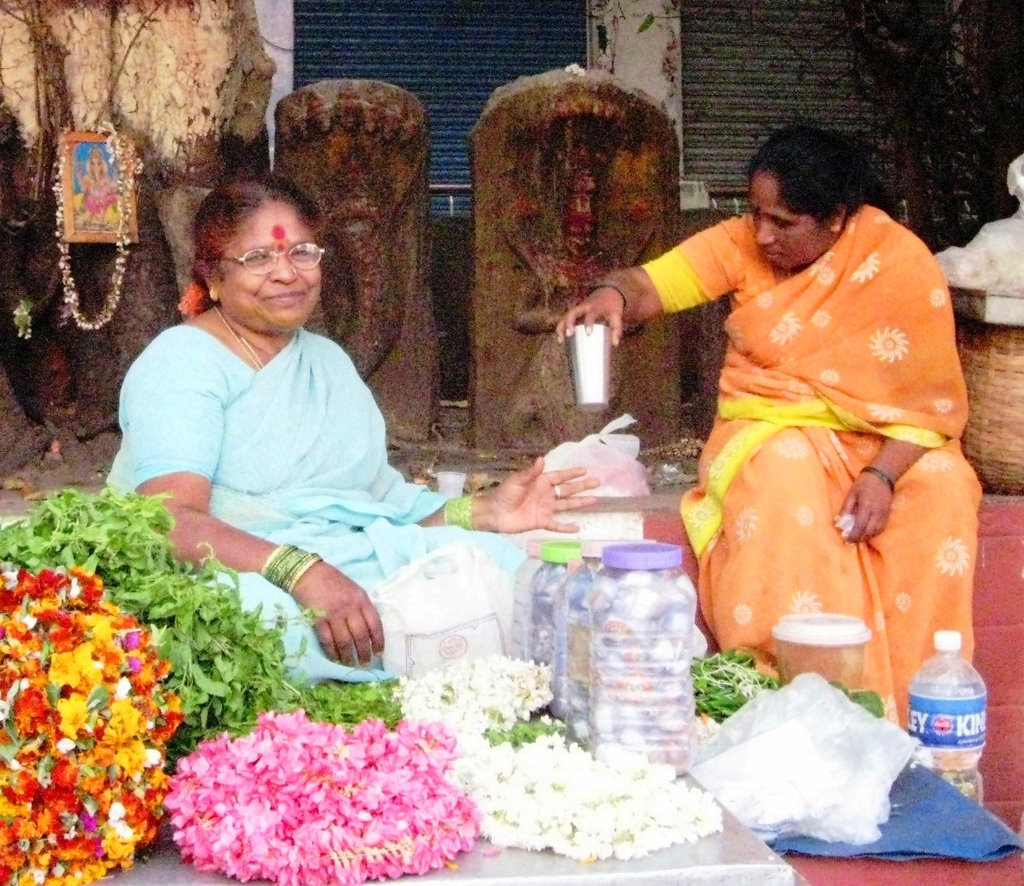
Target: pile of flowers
[[305, 803], [544, 793], [474, 695], [85, 720], [547, 794]]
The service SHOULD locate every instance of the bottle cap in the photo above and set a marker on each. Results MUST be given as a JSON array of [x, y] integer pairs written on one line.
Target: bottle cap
[[948, 641], [642, 555], [821, 629], [560, 551]]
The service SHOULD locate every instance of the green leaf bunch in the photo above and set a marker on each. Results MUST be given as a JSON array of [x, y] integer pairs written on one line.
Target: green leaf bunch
[[727, 680], [228, 666]]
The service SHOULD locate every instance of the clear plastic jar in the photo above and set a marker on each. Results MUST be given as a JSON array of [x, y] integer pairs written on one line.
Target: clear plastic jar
[[571, 671], [521, 599], [642, 608], [555, 558]]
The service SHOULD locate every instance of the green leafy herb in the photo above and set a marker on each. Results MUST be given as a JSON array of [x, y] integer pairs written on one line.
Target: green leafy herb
[[525, 731], [725, 681], [228, 666], [348, 704], [868, 699]]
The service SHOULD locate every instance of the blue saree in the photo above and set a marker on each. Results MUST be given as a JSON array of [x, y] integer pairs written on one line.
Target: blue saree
[[296, 454]]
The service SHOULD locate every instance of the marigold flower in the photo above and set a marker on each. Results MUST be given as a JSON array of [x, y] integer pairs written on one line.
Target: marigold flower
[[83, 787], [194, 300]]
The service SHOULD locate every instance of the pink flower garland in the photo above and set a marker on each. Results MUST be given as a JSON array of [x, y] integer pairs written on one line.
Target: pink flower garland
[[304, 803]]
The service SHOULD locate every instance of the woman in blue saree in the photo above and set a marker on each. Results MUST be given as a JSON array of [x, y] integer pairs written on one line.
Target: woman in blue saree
[[271, 451]]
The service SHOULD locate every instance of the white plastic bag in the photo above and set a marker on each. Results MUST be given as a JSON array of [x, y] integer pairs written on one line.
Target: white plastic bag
[[608, 456], [452, 605], [993, 259], [805, 760]]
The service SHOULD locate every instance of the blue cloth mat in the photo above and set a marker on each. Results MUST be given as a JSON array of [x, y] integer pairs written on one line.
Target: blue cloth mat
[[929, 818]]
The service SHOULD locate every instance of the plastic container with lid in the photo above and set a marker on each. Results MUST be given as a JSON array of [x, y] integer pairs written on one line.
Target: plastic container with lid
[[556, 559], [822, 643], [642, 608], [570, 685], [521, 599]]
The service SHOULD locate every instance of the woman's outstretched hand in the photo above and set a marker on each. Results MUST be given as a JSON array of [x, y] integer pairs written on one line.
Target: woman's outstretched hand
[[534, 499]]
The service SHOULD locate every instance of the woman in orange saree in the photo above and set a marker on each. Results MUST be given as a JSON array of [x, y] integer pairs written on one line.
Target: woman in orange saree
[[833, 479]]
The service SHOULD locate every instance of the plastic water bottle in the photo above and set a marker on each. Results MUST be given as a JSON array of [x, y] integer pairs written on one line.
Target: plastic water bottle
[[522, 601], [642, 609], [947, 715]]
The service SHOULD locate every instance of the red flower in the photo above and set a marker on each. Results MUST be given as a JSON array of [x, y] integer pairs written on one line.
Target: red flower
[[194, 300]]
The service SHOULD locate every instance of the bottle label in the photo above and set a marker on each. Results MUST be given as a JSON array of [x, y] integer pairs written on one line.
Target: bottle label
[[955, 723]]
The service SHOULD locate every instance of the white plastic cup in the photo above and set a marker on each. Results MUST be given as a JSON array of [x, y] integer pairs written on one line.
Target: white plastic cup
[[451, 484], [590, 366]]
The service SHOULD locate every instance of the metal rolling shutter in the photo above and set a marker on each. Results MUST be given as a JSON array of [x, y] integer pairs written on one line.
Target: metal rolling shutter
[[451, 54], [750, 66]]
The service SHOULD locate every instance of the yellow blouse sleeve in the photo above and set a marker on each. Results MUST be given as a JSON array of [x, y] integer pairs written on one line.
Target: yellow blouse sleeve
[[675, 281]]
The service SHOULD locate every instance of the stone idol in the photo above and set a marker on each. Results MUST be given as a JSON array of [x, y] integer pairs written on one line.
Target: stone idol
[[994, 260], [360, 148], [573, 175]]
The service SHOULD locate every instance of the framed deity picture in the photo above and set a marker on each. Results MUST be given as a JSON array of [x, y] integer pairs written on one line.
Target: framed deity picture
[[92, 200]]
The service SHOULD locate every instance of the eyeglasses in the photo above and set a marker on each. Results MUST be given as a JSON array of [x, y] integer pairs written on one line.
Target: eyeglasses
[[303, 256]]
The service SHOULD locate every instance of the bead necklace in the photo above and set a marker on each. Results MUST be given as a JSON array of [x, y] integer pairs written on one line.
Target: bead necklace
[[242, 343]]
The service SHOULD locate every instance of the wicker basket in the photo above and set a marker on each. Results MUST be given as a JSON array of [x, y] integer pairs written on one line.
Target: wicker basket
[[993, 362]]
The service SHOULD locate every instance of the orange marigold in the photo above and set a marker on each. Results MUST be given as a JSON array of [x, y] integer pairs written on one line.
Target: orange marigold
[[194, 300]]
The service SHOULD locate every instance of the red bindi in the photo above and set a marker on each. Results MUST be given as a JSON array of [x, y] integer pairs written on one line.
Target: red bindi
[[278, 232]]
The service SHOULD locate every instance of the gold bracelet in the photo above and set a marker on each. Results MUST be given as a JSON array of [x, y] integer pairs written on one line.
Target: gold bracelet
[[286, 565], [459, 512]]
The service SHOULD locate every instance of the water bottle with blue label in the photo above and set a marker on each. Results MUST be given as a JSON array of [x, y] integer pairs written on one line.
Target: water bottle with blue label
[[947, 715]]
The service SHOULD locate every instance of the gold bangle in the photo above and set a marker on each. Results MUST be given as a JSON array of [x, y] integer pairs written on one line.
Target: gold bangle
[[459, 512], [286, 565]]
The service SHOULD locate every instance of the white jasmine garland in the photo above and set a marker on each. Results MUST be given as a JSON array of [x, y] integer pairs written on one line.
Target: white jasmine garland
[[547, 794], [473, 696]]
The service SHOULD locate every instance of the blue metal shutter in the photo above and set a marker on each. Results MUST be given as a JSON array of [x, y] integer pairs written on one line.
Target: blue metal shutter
[[451, 54]]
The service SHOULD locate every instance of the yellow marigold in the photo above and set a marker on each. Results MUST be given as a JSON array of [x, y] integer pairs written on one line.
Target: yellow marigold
[[125, 722], [131, 757], [74, 715], [13, 810], [76, 669]]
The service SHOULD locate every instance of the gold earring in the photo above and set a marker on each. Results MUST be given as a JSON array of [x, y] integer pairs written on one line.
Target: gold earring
[[214, 295]]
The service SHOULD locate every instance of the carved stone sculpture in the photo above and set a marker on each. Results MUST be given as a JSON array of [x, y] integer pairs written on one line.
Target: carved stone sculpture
[[188, 84], [359, 147], [574, 174]]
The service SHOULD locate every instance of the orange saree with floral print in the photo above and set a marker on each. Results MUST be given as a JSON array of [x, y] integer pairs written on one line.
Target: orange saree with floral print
[[821, 367]]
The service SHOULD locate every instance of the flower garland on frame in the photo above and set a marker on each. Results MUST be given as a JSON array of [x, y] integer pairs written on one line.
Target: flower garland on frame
[[129, 167], [84, 720]]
